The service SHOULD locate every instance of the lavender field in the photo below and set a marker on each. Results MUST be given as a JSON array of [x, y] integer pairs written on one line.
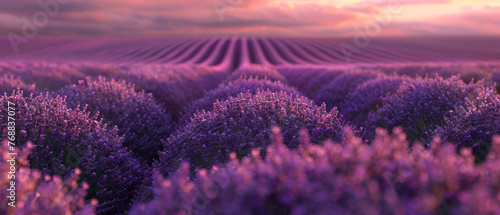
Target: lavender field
[[251, 125], [230, 53]]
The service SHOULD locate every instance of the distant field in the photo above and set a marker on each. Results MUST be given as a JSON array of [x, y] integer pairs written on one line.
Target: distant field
[[234, 52]]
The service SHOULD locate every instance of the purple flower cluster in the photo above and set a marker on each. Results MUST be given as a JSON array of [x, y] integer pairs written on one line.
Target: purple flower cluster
[[489, 74], [65, 139], [174, 87], [348, 178], [45, 75], [467, 72], [317, 82], [34, 194], [257, 71], [368, 98], [420, 106], [138, 117], [298, 76], [337, 90], [9, 84], [232, 89], [310, 80], [472, 76], [430, 71], [473, 125], [245, 122], [444, 70]]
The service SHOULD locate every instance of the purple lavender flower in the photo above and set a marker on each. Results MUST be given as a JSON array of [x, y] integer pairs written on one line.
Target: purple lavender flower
[[367, 98], [309, 80], [348, 178], [472, 76], [296, 76], [244, 122], [257, 71], [444, 70], [35, 193], [430, 71], [9, 84], [473, 125], [421, 105], [139, 118], [336, 91], [317, 82], [46, 75], [232, 89], [174, 87], [65, 139]]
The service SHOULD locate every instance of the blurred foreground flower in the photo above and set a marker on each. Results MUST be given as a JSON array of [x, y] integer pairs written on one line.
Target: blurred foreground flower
[[35, 193], [348, 178]]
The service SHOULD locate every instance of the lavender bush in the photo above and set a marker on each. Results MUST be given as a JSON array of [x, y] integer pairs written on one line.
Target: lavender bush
[[174, 87], [46, 75], [232, 89], [368, 98], [139, 118], [35, 194], [467, 72], [317, 82], [298, 76], [473, 125], [425, 70], [336, 91], [257, 71], [244, 122], [348, 178], [421, 105], [65, 139], [9, 84], [309, 80], [472, 76]]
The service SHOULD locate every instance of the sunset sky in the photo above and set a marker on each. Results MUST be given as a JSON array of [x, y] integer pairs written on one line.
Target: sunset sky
[[111, 18]]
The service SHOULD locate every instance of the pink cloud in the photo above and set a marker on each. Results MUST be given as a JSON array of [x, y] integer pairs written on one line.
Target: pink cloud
[[478, 22], [240, 17], [136, 17], [402, 2]]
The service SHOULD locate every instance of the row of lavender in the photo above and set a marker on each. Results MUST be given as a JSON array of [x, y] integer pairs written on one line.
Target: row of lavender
[[234, 52], [111, 132]]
